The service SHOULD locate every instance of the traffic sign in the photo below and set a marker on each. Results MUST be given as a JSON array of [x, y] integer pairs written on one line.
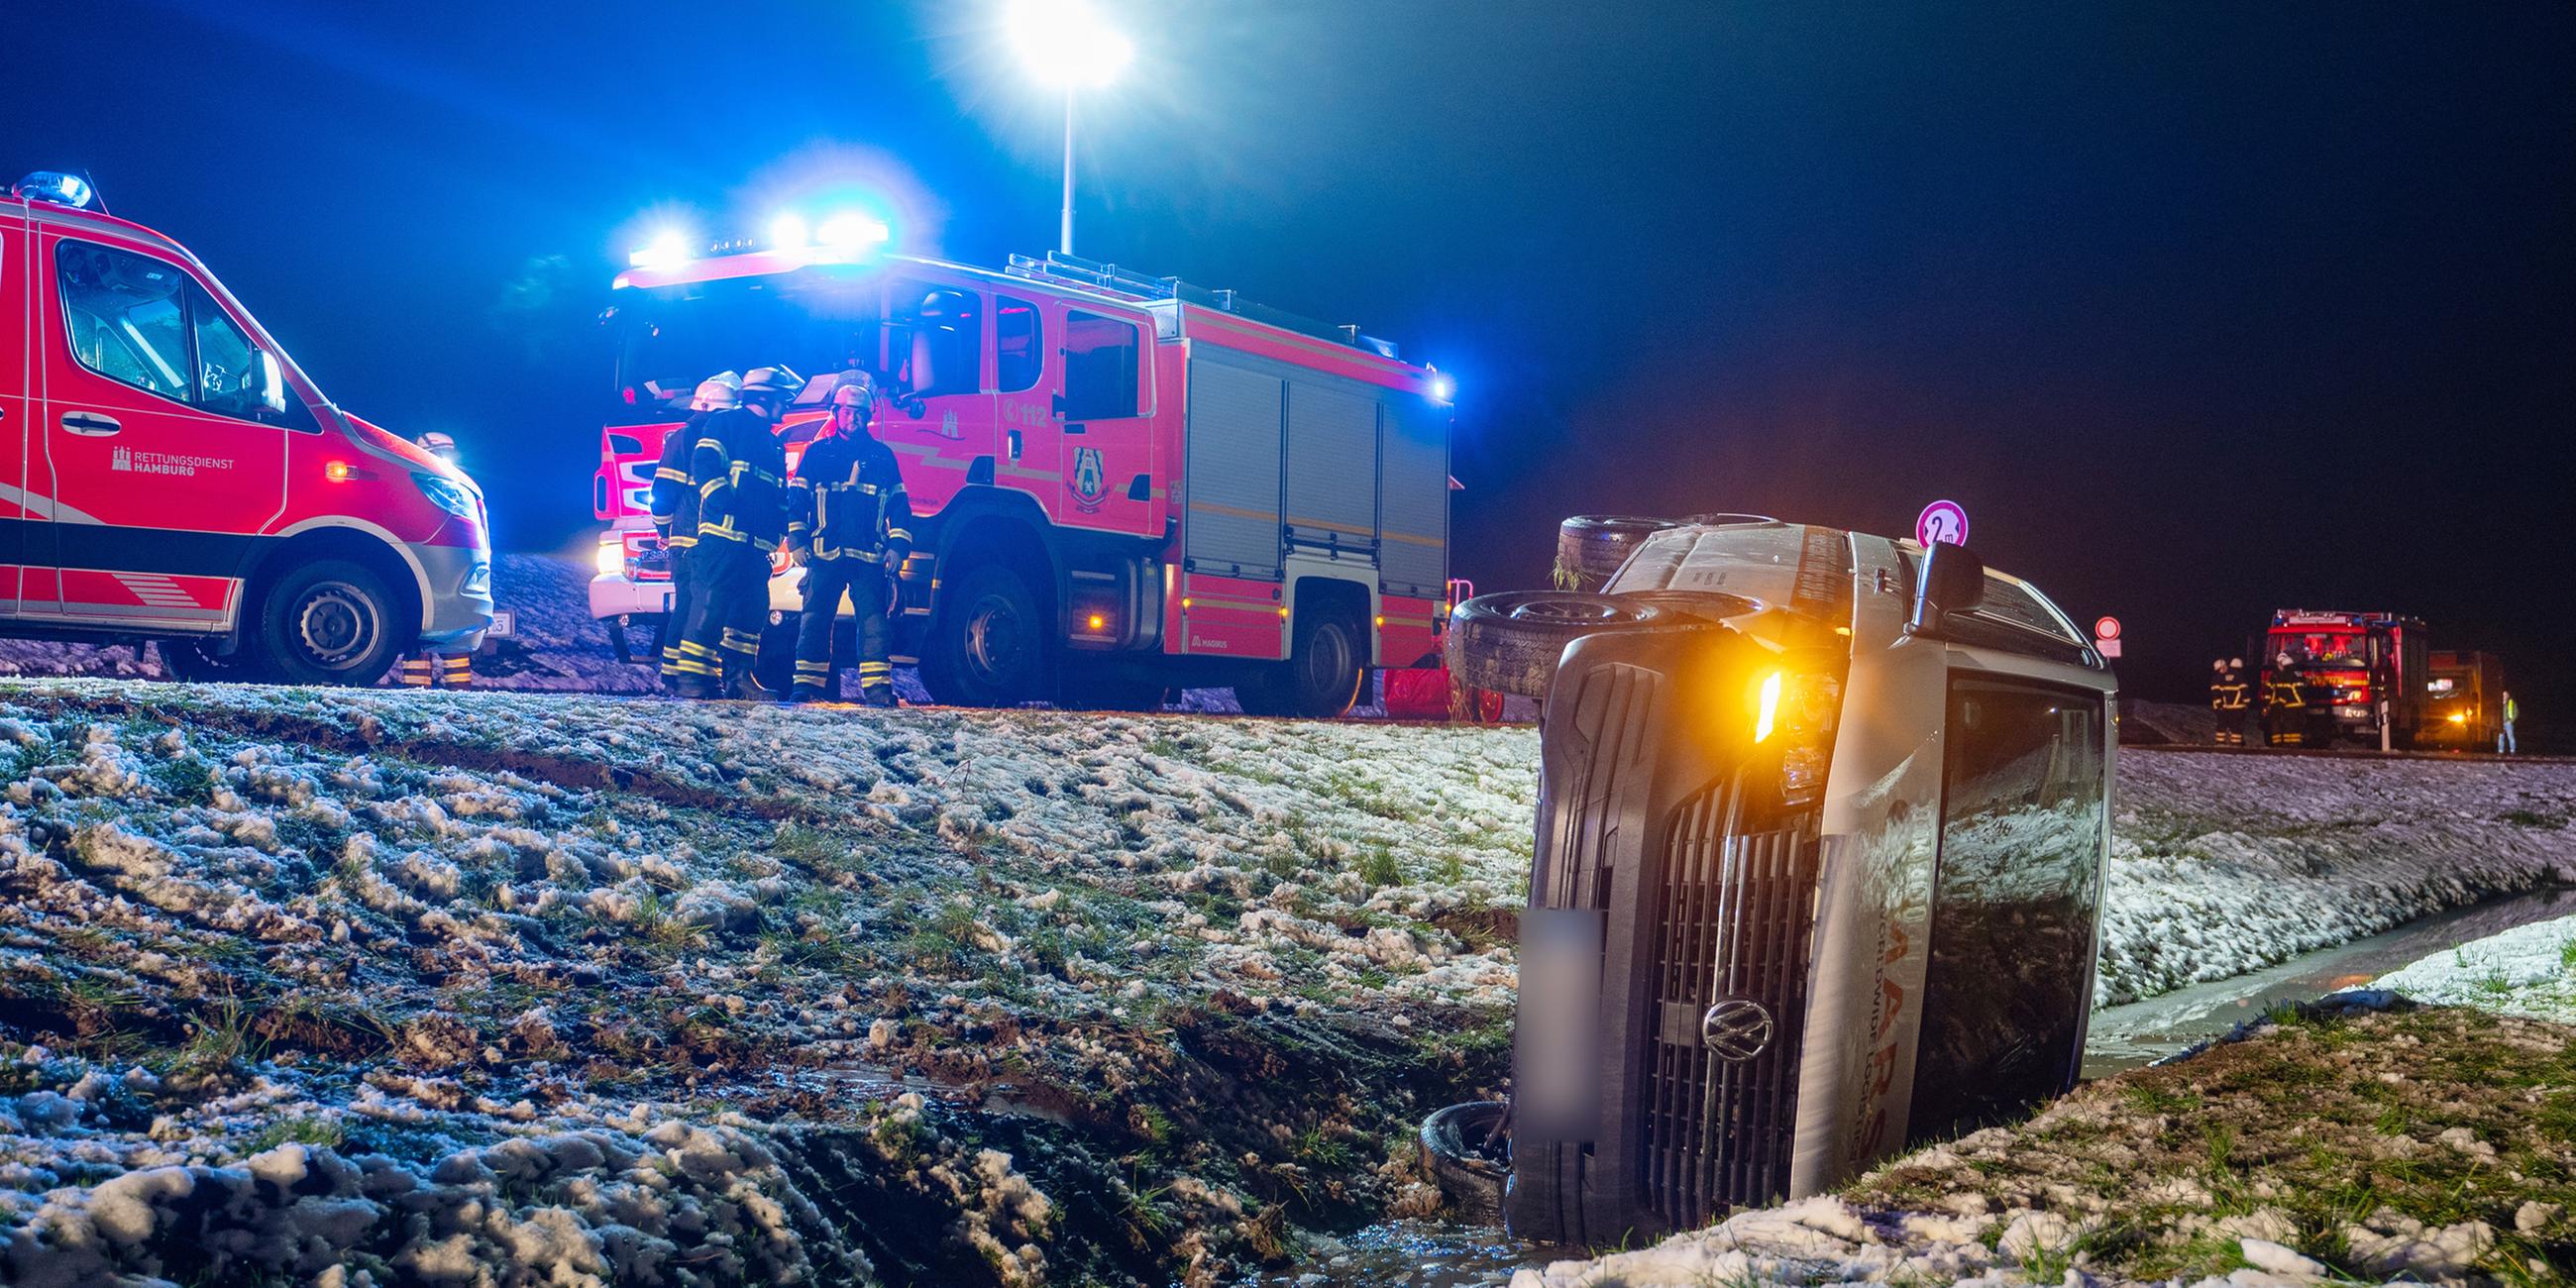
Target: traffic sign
[[2107, 628], [2107, 648], [1941, 521]]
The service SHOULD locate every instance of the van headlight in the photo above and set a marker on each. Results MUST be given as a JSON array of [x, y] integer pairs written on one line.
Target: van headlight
[[478, 579], [445, 494], [611, 559]]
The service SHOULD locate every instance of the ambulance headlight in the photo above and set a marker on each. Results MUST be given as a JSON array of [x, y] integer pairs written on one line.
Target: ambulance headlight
[[611, 559], [478, 580], [446, 495]]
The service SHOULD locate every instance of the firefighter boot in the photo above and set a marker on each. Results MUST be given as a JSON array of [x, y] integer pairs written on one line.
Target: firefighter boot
[[813, 682], [878, 695]]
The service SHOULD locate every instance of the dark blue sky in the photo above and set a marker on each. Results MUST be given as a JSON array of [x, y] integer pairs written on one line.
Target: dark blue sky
[[2201, 310]]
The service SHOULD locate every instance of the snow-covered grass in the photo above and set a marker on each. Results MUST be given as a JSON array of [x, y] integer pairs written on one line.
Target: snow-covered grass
[[2341, 1144], [2528, 970], [1001, 997], [2223, 864]]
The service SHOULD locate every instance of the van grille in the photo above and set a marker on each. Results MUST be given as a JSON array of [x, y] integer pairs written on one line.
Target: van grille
[[1735, 922]]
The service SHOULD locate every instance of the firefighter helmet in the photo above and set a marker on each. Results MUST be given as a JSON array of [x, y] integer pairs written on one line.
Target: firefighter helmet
[[780, 383], [2219, 665], [2237, 662], [855, 389], [719, 392]]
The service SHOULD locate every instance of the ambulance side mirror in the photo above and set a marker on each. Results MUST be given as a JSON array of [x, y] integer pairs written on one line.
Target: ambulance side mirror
[[267, 382], [1951, 579]]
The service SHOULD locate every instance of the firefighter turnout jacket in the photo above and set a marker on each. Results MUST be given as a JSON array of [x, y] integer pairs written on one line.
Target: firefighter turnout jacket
[[2229, 691], [739, 470], [847, 502], [675, 500]]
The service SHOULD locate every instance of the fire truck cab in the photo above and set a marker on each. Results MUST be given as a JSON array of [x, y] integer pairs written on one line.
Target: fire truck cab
[[1120, 485], [2368, 667], [168, 473]]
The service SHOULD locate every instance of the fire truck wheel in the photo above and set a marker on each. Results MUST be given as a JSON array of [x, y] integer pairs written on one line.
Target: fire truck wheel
[[192, 661], [1321, 678], [1509, 641], [1590, 547], [329, 622], [987, 646]]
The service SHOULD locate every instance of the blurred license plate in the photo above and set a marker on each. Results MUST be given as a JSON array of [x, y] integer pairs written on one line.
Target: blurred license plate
[[504, 624]]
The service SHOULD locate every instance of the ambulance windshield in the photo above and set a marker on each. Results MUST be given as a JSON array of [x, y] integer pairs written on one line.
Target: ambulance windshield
[[669, 339]]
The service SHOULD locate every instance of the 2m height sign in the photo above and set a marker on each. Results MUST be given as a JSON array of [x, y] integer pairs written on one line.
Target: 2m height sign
[[1941, 521]]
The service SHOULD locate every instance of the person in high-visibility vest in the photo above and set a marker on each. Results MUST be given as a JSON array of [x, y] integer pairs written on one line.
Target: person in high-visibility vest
[[675, 513], [2505, 745]]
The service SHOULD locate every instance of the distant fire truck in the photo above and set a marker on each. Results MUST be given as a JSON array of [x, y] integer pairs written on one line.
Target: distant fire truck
[[2464, 699], [1123, 484], [2370, 668]]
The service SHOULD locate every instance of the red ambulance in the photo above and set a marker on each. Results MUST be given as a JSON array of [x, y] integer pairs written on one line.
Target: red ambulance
[[1122, 485], [167, 473]]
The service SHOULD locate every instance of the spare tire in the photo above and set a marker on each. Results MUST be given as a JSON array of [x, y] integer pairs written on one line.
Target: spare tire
[[1590, 547], [1469, 1150], [1509, 641]]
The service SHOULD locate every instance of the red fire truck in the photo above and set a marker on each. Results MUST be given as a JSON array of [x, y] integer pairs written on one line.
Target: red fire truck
[[167, 473], [2369, 668], [1123, 484]]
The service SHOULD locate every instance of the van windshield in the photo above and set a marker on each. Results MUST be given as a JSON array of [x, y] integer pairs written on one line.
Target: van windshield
[[670, 338]]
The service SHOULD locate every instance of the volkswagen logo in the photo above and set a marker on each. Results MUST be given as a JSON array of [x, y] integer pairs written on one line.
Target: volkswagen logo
[[1736, 1029]]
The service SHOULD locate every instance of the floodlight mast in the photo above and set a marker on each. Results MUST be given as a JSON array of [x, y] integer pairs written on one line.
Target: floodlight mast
[[1067, 44]]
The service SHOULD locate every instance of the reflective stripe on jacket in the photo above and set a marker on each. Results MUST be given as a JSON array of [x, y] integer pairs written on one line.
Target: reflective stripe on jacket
[[847, 501]]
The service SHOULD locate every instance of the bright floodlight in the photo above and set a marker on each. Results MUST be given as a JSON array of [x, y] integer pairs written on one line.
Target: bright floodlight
[[787, 232], [667, 250], [1066, 43], [850, 230]]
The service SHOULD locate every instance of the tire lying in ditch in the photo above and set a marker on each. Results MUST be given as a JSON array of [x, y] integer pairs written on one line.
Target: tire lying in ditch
[[1509, 641], [1468, 1148], [1590, 547]]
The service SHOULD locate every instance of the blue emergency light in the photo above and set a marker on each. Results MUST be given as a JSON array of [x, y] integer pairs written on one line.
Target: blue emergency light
[[55, 187]]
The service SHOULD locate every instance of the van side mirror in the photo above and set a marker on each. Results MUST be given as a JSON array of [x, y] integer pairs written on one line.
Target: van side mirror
[[1951, 579]]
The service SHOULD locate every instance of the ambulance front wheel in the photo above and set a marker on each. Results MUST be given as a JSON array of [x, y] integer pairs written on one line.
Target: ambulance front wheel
[[331, 621]]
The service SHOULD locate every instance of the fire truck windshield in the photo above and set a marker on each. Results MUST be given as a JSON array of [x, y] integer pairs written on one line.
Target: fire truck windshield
[[670, 338], [2324, 648]]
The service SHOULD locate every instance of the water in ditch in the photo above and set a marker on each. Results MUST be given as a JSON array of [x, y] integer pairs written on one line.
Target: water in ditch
[[1436, 1254]]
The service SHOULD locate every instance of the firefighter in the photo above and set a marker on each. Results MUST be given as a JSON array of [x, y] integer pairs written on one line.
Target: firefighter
[[675, 512], [2505, 745], [849, 527], [2227, 698], [2245, 715], [738, 467], [2284, 704]]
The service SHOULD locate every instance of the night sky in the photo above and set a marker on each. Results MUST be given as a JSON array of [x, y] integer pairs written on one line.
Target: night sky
[[2201, 311]]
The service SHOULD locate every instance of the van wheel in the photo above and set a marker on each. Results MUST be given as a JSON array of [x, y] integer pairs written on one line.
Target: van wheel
[[1590, 547], [987, 645], [330, 622], [1321, 678], [193, 662], [1510, 641]]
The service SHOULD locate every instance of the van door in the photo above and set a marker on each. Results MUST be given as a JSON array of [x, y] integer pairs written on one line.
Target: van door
[[2016, 892], [160, 456], [14, 420]]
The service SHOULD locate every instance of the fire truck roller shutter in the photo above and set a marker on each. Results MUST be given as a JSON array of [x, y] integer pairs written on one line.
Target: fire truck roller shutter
[[1332, 463], [1234, 466], [1413, 497]]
